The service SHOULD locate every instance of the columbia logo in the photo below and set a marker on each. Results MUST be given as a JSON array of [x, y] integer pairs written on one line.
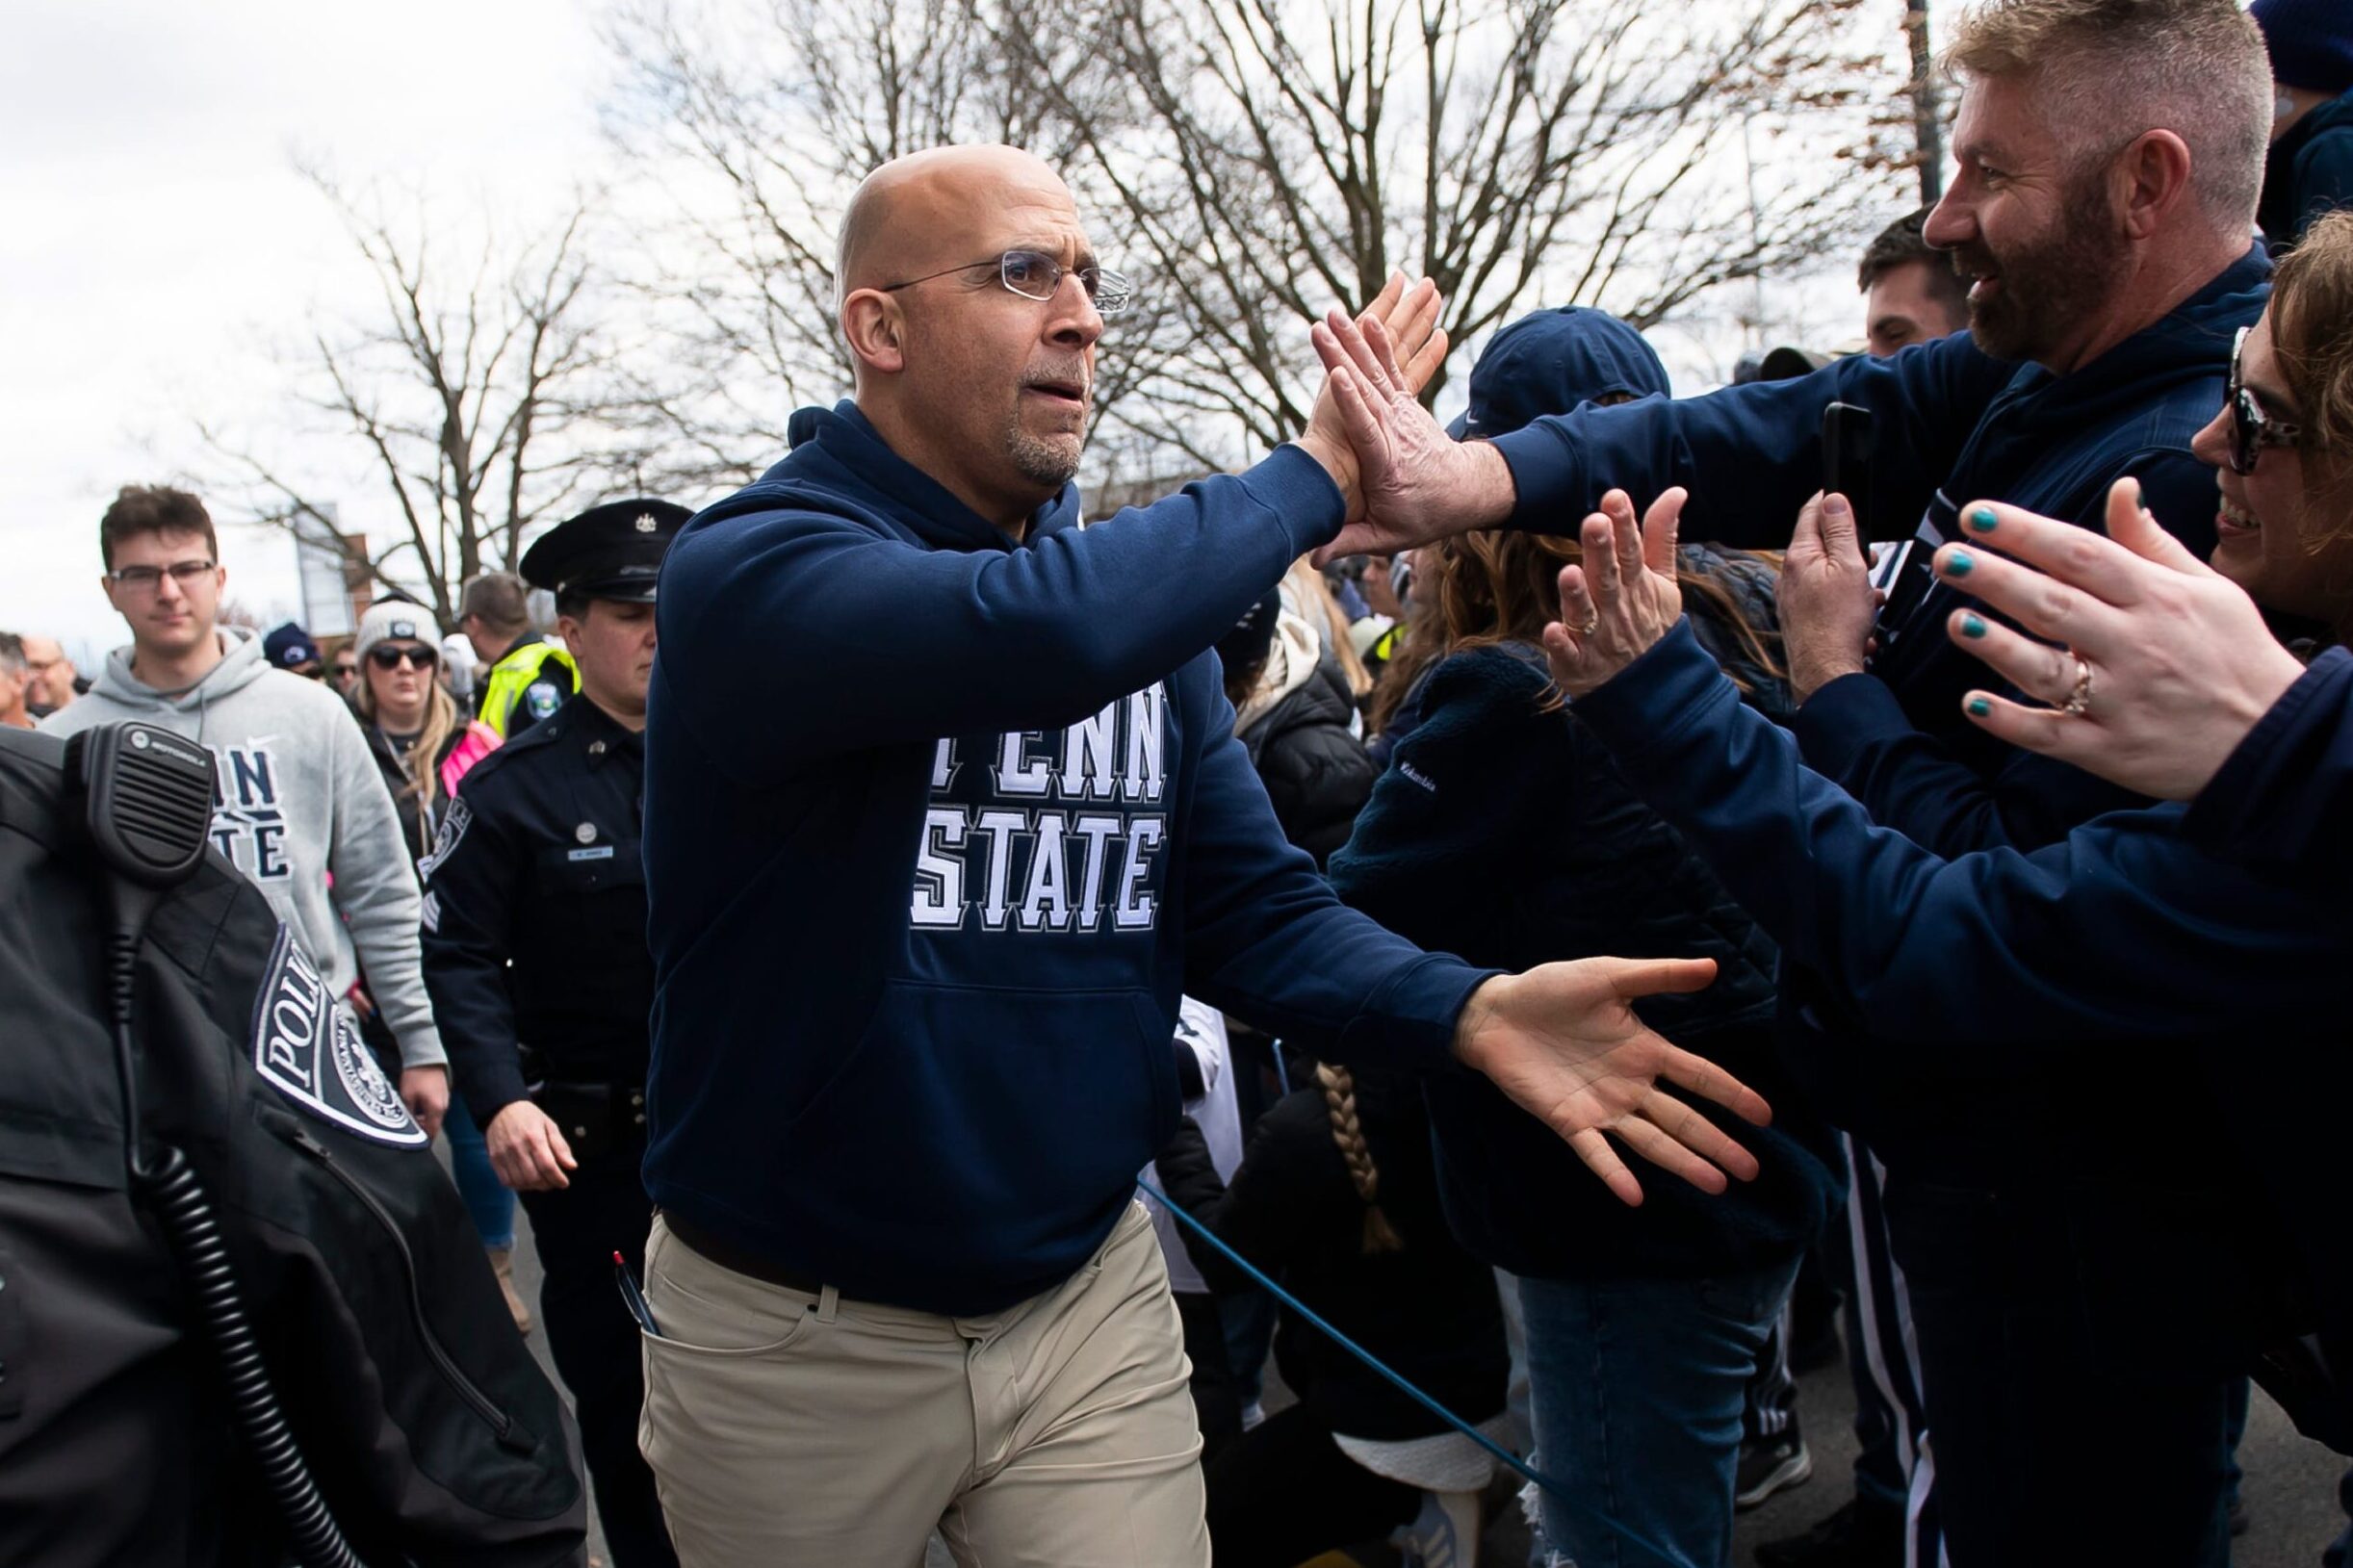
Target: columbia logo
[[1418, 777]]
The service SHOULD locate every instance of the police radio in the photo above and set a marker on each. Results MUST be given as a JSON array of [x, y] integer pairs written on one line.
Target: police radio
[[148, 811], [146, 800]]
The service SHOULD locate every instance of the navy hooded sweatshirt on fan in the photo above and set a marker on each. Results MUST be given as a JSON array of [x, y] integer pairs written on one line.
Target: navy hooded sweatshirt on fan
[[939, 825], [1952, 425]]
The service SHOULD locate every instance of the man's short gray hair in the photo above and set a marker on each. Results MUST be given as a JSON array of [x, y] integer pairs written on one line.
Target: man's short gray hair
[[2113, 69], [11, 653]]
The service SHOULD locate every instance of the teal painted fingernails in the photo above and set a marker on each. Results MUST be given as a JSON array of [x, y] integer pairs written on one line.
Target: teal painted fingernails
[[1972, 627], [1983, 520], [1978, 707], [1958, 564]]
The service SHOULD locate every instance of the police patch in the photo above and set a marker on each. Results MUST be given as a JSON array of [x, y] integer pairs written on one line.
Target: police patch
[[542, 699], [309, 1051], [454, 825]]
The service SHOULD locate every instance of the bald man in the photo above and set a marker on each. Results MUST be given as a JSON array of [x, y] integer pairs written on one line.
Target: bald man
[[943, 809]]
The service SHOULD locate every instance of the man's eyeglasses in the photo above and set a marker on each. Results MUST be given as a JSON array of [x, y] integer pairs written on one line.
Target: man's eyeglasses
[[1035, 275], [386, 658], [146, 580], [2251, 428]]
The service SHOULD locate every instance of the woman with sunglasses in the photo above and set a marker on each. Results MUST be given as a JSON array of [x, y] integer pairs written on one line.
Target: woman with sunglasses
[[2193, 956], [422, 745]]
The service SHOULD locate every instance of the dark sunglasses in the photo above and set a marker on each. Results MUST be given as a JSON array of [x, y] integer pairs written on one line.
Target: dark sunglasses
[[384, 656], [2251, 428]]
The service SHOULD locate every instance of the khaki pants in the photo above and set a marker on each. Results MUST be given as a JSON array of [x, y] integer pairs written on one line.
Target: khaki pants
[[789, 1429]]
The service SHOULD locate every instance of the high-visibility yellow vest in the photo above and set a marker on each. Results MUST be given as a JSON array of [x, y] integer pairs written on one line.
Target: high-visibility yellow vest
[[521, 676]]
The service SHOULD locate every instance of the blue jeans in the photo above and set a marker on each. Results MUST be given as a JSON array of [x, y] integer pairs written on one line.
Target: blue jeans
[[488, 1199], [1638, 1387]]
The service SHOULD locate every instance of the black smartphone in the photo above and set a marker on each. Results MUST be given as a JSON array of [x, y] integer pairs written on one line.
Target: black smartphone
[[1846, 459]]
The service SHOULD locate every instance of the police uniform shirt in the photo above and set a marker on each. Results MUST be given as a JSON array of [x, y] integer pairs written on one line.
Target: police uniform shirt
[[535, 913]]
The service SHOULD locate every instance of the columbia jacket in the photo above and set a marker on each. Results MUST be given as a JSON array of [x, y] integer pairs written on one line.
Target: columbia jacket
[[1504, 832], [296, 800], [430, 1431], [939, 825]]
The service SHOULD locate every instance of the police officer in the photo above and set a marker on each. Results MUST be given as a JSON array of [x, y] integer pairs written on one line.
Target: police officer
[[431, 1432], [535, 954], [527, 676]]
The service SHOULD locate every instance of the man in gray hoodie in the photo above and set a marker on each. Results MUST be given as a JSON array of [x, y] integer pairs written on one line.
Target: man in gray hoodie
[[297, 804]]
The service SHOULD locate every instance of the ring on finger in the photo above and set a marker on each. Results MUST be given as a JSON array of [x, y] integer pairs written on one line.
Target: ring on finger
[[2079, 699], [1589, 625]]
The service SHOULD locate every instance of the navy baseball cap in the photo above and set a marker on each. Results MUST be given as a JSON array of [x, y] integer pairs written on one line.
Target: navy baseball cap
[[289, 646]]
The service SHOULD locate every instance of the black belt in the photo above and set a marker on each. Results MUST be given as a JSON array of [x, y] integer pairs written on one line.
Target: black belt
[[736, 1259]]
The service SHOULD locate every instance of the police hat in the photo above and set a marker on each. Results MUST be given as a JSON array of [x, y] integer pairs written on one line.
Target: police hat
[[608, 552]]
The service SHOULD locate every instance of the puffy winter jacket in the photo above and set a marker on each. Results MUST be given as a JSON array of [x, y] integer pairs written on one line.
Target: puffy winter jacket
[[1316, 771]]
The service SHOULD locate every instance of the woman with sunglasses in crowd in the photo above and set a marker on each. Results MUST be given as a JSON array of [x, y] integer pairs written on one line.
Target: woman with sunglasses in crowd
[[422, 745], [2196, 951]]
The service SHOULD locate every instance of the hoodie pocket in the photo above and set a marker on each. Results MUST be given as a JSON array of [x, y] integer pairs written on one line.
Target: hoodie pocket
[[992, 1119]]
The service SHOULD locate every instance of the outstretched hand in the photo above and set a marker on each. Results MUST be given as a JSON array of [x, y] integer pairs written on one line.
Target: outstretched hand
[[1622, 598], [1563, 1041], [2169, 662]]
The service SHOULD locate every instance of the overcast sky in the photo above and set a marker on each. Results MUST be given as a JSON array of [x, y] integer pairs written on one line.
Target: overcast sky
[[159, 242], [157, 233]]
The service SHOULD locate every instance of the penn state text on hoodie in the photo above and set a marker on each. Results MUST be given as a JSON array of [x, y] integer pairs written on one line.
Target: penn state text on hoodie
[[1952, 425], [938, 826]]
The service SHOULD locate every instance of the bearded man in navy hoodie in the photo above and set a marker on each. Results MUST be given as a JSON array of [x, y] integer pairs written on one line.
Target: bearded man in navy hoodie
[[943, 810], [2071, 1280]]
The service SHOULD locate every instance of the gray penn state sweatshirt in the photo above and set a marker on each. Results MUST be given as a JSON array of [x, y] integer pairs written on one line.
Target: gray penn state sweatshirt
[[297, 800]]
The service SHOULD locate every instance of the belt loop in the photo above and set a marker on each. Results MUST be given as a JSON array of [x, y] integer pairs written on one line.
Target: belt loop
[[829, 1302]]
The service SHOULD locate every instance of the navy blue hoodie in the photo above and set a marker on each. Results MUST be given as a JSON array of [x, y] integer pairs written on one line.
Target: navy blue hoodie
[[2307, 172], [939, 825], [1952, 425], [2159, 985]]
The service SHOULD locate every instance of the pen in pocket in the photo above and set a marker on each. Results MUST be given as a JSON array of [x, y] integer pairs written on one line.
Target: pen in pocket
[[632, 1297]]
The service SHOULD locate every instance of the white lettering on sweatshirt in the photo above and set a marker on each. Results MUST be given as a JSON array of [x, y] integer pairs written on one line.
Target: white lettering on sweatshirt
[[1066, 835]]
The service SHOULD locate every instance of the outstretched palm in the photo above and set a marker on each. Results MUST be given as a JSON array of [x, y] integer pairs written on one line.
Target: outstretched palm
[[1564, 1043]]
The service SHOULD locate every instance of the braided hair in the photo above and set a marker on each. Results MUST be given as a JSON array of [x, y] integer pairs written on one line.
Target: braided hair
[[1339, 1087]]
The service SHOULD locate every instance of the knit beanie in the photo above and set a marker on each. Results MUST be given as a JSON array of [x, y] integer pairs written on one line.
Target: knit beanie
[[2311, 43], [394, 618]]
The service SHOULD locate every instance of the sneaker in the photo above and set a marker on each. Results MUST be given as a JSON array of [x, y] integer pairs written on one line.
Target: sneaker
[[502, 1264], [1858, 1535], [1769, 1466], [1444, 1534]]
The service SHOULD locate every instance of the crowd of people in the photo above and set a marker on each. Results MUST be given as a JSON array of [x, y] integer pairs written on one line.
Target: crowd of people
[[817, 910]]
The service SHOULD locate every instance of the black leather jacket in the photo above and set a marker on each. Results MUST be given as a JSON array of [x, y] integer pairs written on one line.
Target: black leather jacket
[[432, 1434]]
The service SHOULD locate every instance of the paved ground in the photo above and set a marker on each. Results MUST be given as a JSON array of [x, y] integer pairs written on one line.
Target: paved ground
[[2290, 1488]]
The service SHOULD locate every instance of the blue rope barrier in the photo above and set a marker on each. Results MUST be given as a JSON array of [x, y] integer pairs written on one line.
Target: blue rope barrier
[[1624, 1532]]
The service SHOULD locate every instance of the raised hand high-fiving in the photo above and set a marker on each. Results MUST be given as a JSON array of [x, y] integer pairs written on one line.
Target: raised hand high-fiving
[[1622, 598], [1406, 482]]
